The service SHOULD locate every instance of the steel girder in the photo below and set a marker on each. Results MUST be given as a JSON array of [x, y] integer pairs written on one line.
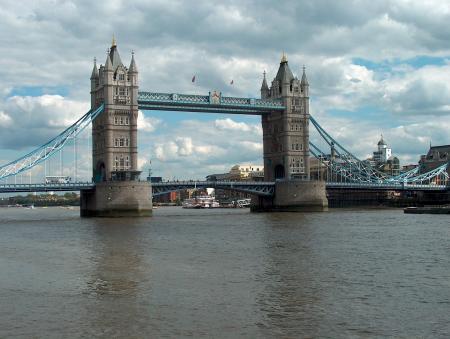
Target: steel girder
[[354, 170], [68, 187], [255, 187], [45, 151], [363, 171], [387, 186]]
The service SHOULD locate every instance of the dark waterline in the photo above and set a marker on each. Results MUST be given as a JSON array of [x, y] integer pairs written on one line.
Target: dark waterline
[[224, 273]]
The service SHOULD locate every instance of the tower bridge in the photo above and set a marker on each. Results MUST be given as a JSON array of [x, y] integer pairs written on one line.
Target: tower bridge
[[115, 189]]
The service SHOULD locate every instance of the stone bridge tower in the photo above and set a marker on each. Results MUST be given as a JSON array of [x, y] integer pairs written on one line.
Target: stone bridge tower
[[114, 132], [286, 147], [118, 191], [286, 134]]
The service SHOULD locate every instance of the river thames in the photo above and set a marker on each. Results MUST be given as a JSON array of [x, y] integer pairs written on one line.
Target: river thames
[[224, 273]]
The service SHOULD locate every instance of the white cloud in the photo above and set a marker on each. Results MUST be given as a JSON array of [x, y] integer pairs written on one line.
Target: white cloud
[[37, 119], [5, 119], [147, 124], [229, 124]]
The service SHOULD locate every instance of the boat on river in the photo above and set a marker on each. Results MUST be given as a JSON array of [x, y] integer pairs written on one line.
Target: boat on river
[[428, 210], [204, 201]]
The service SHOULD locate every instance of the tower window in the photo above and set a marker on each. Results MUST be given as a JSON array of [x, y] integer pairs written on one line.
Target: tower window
[[122, 91], [127, 120], [121, 76]]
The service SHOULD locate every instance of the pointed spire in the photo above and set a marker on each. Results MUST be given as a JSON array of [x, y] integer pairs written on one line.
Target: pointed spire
[[304, 81], [113, 43], [284, 74], [108, 63], [133, 68], [264, 82], [94, 70], [114, 55]]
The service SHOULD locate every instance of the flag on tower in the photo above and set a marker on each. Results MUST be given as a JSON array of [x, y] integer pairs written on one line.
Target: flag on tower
[[232, 82], [193, 78]]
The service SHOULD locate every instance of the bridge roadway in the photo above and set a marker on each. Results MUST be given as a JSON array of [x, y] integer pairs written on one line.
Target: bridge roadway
[[253, 187]]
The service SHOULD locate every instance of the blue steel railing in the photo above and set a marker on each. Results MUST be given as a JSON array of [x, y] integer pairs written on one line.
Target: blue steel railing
[[212, 103]]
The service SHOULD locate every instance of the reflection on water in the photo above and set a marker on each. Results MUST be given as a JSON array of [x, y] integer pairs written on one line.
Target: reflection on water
[[224, 273], [118, 272], [116, 259], [290, 295]]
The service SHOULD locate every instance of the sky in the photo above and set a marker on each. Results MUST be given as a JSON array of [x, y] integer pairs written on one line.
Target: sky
[[374, 67]]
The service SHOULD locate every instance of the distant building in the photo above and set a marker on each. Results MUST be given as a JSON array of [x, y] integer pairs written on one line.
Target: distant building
[[436, 156], [218, 177], [383, 153], [244, 172], [237, 173], [383, 160], [409, 167]]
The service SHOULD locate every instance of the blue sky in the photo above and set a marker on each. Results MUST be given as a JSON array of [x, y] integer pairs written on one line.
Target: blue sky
[[374, 68]]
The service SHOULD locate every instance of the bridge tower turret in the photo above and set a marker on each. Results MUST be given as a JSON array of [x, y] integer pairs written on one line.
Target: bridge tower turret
[[265, 91], [94, 82], [286, 134], [114, 142]]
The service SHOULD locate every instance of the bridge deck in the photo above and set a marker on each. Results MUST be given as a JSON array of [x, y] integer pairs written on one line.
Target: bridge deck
[[252, 187], [212, 103]]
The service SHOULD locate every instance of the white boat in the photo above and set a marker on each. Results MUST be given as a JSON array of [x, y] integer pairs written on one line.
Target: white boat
[[204, 201], [242, 203]]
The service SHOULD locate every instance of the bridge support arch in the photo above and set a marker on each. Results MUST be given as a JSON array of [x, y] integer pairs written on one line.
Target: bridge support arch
[[118, 191]]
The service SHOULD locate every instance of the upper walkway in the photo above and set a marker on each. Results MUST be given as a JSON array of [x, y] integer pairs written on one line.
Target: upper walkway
[[212, 103]]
